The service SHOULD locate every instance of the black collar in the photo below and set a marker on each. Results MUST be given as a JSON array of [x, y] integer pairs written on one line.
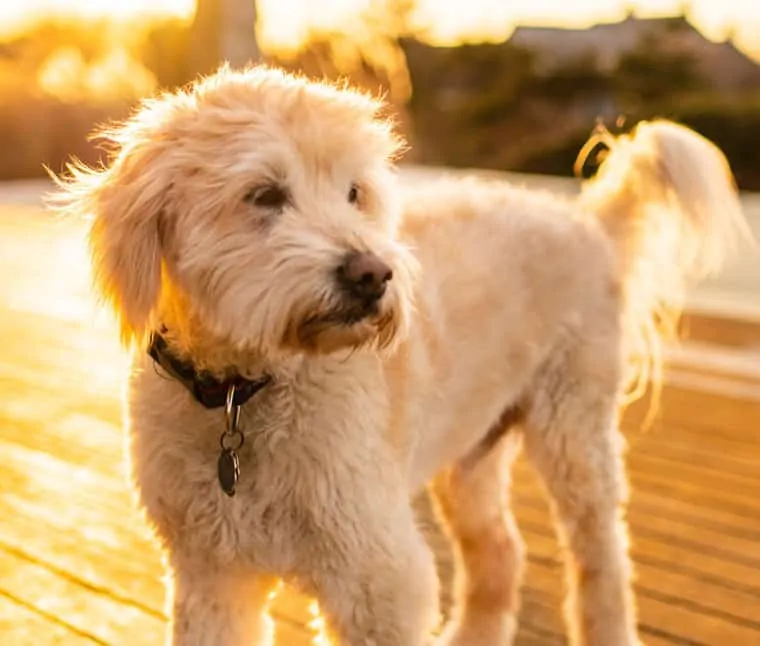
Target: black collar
[[206, 389]]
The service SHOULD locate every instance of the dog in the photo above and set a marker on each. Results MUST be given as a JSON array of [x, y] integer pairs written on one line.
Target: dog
[[313, 344]]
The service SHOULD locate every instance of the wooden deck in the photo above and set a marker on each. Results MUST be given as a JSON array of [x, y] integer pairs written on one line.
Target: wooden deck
[[77, 565]]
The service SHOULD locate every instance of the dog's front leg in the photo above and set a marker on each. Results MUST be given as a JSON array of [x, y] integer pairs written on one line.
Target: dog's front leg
[[384, 592], [212, 607]]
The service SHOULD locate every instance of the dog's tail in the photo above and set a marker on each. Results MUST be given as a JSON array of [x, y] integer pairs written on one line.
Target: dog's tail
[[667, 198]]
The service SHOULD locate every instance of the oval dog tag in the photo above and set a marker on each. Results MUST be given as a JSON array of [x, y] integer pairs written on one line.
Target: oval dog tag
[[228, 470]]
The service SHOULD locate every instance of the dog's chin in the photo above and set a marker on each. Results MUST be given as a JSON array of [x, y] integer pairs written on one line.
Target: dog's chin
[[333, 331]]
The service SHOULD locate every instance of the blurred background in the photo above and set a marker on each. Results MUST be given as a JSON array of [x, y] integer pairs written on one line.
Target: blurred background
[[478, 83], [506, 88]]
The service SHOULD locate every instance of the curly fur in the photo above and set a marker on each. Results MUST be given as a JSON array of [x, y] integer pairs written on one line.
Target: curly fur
[[500, 298]]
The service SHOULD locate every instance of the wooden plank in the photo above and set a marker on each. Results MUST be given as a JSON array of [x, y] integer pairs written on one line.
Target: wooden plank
[[719, 328], [660, 541], [658, 610], [735, 448], [663, 578], [664, 498], [23, 624], [90, 612], [727, 479], [728, 412], [727, 455]]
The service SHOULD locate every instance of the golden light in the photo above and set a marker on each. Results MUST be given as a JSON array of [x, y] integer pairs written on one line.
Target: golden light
[[317, 625], [284, 24], [450, 22], [57, 286], [67, 76], [17, 16]]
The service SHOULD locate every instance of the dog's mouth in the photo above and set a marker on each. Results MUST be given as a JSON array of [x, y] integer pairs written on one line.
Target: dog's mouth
[[354, 315], [353, 326], [339, 318]]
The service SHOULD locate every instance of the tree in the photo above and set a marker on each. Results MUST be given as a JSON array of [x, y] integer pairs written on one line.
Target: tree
[[368, 52], [223, 30], [650, 73]]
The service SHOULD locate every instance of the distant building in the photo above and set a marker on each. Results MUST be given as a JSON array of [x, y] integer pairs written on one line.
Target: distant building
[[722, 64]]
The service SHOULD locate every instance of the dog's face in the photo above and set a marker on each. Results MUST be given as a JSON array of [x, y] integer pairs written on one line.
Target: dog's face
[[267, 203]]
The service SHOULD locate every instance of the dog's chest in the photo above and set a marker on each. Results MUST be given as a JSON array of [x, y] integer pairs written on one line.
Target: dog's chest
[[307, 447]]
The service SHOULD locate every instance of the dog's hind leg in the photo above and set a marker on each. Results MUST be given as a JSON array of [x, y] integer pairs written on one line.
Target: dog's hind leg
[[472, 499], [572, 438], [219, 608]]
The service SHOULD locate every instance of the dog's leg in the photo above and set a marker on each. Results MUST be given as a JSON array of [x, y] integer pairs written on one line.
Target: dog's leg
[[213, 608], [574, 442], [385, 593], [473, 501]]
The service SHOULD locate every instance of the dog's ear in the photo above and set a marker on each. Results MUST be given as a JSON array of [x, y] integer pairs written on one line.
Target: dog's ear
[[126, 202]]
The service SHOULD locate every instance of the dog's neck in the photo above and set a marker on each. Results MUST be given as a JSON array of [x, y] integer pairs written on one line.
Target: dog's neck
[[223, 360], [192, 342], [209, 391]]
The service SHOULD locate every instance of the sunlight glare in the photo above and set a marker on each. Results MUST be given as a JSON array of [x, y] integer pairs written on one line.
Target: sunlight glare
[[450, 22], [67, 76], [317, 625], [285, 24], [17, 16]]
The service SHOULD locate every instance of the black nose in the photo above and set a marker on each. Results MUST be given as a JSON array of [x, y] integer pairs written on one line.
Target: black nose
[[364, 276]]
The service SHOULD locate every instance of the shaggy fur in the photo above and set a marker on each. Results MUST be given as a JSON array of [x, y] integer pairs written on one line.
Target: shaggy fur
[[501, 299]]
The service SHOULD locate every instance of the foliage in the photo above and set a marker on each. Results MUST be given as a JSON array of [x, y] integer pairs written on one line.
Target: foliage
[[61, 79], [651, 73], [725, 122], [490, 106]]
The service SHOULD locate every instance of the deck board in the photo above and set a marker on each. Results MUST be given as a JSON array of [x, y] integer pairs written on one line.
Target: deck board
[[77, 564], [22, 623]]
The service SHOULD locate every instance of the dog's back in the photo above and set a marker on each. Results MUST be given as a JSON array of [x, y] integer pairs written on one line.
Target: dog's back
[[511, 276]]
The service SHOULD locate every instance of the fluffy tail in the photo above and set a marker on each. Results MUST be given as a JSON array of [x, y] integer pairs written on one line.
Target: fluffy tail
[[667, 198]]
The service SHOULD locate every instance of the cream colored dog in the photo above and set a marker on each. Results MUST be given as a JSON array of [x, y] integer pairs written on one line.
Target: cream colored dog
[[250, 229]]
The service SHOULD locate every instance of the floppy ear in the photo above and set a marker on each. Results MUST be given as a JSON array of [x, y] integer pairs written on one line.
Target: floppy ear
[[126, 201]]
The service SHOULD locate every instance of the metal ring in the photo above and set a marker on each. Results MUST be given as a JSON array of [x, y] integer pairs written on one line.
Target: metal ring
[[231, 411], [237, 434]]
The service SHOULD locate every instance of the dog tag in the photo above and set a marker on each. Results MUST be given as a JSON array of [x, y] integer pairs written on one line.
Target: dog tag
[[229, 470]]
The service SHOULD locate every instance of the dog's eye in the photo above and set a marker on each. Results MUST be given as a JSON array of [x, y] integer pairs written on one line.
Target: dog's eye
[[353, 194], [267, 197]]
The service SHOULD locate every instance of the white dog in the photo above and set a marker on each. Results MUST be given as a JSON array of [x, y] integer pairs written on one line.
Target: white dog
[[347, 347]]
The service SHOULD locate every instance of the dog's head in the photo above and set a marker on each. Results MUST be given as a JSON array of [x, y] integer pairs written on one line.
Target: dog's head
[[258, 204]]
